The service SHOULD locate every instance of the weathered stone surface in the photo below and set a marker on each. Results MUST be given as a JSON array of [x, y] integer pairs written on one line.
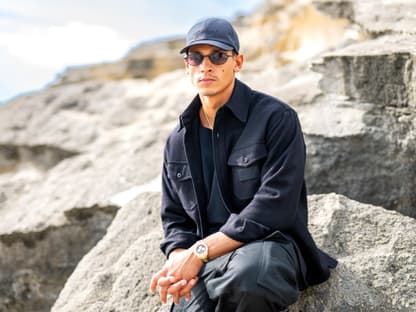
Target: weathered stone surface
[[293, 83], [291, 31], [58, 189], [35, 265], [115, 275], [116, 158], [375, 248], [377, 17], [381, 71], [361, 132], [376, 253], [370, 158], [336, 8]]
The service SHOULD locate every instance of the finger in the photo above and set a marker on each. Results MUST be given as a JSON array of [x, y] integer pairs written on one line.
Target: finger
[[187, 296], [155, 278], [176, 298], [163, 292], [186, 291], [175, 288], [166, 281]]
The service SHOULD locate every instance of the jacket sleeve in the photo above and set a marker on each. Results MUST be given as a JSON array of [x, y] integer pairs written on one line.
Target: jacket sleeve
[[275, 204], [179, 229]]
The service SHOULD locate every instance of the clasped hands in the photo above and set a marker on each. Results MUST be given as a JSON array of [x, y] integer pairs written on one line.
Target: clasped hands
[[178, 276]]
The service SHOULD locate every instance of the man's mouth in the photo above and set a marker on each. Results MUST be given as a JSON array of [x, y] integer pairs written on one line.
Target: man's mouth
[[206, 79]]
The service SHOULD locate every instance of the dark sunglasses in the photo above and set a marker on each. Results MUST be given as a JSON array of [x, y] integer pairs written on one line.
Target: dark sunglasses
[[216, 58]]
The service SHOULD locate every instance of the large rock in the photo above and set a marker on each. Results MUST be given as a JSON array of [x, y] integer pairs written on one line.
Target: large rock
[[357, 112], [115, 275], [380, 71], [376, 253], [375, 249], [358, 115], [64, 154], [361, 132]]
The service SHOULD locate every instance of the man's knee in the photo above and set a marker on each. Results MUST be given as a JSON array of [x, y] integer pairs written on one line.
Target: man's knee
[[263, 269]]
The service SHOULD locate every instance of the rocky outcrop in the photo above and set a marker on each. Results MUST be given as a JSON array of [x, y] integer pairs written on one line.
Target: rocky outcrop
[[292, 31], [375, 249], [377, 17], [361, 130], [34, 265], [146, 61], [358, 115], [115, 274], [65, 154]]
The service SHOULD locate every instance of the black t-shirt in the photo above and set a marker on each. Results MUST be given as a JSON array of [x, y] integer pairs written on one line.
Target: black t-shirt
[[217, 213]]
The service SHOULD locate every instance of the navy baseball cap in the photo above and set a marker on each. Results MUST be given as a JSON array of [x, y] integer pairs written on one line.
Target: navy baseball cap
[[216, 32]]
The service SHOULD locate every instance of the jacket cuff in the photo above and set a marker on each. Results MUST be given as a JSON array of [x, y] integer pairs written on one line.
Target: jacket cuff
[[244, 230], [179, 241]]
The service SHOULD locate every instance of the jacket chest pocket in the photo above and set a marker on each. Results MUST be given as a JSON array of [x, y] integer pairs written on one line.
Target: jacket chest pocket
[[180, 177], [245, 166]]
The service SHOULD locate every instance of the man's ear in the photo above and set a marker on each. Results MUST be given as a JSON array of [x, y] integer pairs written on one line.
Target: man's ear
[[238, 64]]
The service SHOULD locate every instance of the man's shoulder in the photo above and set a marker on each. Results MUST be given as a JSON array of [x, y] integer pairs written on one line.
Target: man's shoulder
[[174, 142], [268, 104], [175, 134]]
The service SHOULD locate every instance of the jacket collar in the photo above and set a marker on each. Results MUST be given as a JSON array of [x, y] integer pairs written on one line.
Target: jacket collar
[[238, 104]]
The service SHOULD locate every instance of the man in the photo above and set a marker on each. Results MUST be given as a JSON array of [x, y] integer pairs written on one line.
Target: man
[[234, 208]]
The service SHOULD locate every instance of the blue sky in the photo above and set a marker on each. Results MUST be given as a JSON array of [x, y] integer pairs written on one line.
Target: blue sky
[[39, 38]]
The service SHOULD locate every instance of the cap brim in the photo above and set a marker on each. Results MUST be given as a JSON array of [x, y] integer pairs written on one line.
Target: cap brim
[[214, 43]]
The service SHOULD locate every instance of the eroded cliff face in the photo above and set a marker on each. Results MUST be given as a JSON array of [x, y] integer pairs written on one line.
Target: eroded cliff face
[[80, 162], [374, 79], [357, 105], [65, 154]]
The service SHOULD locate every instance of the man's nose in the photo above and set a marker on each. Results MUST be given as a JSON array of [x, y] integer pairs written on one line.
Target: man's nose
[[206, 64]]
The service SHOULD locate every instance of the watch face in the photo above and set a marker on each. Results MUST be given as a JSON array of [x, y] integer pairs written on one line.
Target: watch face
[[201, 249]]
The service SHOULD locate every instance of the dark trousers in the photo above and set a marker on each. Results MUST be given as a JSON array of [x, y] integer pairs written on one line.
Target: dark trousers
[[260, 276]]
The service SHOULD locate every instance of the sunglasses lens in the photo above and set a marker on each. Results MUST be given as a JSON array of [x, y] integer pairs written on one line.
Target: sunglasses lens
[[194, 59], [216, 58]]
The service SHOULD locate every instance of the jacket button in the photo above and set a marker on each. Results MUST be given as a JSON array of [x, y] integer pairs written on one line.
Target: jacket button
[[218, 135], [245, 159], [179, 175]]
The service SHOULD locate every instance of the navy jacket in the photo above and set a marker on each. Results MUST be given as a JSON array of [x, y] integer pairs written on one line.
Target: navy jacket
[[259, 158]]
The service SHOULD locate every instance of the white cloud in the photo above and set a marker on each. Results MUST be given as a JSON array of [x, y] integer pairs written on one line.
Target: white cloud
[[55, 47]]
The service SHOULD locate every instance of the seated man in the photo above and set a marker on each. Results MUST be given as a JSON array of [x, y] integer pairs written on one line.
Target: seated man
[[234, 207]]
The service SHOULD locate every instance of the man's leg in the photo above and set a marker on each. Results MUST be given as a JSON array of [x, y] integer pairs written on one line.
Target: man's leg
[[261, 276]]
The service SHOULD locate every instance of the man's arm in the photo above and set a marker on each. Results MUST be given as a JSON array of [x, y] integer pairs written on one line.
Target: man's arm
[[219, 244], [276, 202], [179, 229]]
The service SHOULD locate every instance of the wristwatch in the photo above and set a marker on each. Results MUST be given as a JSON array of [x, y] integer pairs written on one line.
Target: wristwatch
[[201, 251]]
